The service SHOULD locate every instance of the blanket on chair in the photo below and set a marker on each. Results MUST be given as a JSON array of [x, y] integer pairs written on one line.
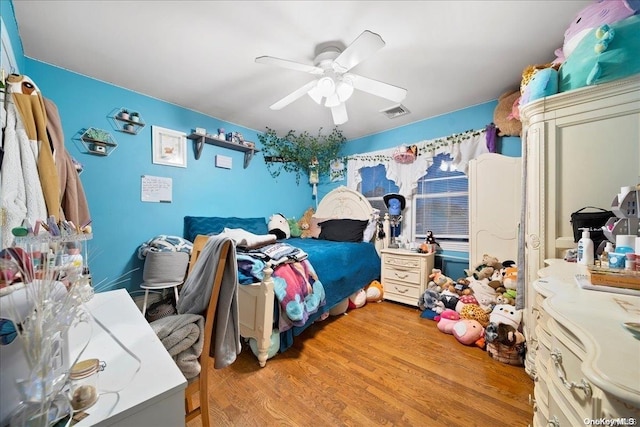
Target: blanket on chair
[[181, 335], [196, 293]]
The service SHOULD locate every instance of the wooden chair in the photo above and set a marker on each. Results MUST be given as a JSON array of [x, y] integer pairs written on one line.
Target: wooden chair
[[200, 384]]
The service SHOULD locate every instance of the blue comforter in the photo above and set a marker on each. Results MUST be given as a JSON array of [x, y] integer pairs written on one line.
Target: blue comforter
[[342, 267]]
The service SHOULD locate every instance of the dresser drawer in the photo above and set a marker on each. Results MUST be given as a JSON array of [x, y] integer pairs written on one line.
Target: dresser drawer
[[565, 373], [560, 412], [400, 262]]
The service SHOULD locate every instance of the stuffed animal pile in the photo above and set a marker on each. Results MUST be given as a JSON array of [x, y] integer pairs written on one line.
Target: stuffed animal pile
[[478, 309]]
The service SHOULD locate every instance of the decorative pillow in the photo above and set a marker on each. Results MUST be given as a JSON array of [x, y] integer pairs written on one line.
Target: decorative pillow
[[194, 225], [314, 228], [343, 230]]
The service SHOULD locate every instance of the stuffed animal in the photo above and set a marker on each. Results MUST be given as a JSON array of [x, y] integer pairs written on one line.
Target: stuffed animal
[[430, 304], [449, 299], [507, 124], [596, 14], [461, 287], [507, 314], [538, 81], [503, 334], [446, 320], [438, 281], [294, 228], [510, 277], [485, 294], [485, 269], [305, 224], [469, 332], [279, 226], [357, 299], [374, 291], [475, 312]]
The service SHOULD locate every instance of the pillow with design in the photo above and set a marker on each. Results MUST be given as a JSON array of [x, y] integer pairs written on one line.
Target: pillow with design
[[343, 230]]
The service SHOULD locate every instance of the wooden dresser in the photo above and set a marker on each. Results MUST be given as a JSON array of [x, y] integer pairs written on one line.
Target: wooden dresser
[[587, 365], [405, 274]]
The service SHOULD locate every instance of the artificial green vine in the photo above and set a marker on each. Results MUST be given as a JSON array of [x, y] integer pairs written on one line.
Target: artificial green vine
[[297, 153]]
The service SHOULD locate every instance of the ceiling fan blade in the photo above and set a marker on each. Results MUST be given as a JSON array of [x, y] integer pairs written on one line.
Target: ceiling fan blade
[[363, 47], [292, 65], [339, 113], [293, 96], [374, 87]]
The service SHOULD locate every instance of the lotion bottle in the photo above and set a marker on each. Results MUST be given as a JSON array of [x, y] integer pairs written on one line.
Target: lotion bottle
[[585, 248]]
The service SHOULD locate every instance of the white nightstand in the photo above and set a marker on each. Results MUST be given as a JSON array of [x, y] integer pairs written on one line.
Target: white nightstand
[[405, 274]]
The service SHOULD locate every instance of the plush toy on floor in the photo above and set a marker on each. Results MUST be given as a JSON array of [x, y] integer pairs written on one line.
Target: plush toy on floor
[[357, 299], [469, 332], [374, 291]]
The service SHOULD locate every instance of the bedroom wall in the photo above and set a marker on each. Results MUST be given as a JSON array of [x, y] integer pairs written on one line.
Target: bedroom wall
[[112, 184], [121, 221]]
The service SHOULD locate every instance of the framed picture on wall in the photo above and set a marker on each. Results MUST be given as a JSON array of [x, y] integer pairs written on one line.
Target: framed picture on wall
[[169, 147]]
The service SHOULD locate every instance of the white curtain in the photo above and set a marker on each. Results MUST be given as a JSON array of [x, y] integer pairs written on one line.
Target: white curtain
[[462, 148]]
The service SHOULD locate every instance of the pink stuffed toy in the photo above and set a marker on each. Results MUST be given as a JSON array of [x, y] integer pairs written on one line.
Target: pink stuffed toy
[[446, 320], [469, 332]]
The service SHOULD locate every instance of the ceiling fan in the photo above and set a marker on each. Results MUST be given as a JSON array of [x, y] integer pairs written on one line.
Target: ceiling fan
[[334, 84]]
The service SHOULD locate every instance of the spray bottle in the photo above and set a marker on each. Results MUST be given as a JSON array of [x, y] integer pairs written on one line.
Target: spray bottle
[[585, 248]]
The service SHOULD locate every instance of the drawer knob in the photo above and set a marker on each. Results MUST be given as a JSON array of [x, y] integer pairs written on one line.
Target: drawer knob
[[553, 422], [556, 356]]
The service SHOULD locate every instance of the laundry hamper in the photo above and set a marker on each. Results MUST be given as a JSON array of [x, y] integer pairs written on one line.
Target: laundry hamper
[[163, 270]]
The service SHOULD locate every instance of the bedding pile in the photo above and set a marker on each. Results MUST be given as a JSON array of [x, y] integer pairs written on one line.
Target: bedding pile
[[296, 285], [181, 335]]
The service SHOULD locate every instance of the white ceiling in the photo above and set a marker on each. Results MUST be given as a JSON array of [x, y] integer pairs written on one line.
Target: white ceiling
[[200, 54]]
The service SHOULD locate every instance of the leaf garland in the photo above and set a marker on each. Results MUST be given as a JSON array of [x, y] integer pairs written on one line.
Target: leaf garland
[[298, 153]]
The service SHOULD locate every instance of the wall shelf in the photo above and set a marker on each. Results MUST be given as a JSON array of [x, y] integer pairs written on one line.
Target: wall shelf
[[123, 121], [199, 141], [98, 141]]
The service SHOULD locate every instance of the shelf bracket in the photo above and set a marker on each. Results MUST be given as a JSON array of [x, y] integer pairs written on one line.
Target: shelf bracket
[[197, 146]]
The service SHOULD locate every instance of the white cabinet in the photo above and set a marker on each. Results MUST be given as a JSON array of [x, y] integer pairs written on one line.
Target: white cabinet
[[579, 148], [494, 207], [587, 364], [405, 274]]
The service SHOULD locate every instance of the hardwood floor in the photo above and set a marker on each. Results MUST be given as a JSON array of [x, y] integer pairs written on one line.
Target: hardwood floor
[[379, 365]]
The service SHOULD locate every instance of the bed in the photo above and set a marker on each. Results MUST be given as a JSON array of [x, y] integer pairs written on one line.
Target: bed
[[342, 267]]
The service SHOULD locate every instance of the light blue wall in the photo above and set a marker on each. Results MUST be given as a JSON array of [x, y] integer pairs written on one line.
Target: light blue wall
[[121, 222]]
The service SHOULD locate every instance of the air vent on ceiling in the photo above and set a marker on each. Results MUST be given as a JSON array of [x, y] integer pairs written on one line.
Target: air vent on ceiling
[[395, 111]]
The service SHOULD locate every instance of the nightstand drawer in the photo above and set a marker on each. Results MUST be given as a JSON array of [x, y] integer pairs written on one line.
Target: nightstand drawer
[[400, 262], [408, 276], [401, 292]]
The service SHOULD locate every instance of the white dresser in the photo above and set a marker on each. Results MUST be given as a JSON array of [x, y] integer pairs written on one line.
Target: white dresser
[[579, 148], [405, 274], [587, 365]]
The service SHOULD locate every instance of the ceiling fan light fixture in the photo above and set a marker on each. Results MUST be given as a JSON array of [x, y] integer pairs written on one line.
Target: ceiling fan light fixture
[[332, 101], [315, 95], [344, 90], [326, 86]]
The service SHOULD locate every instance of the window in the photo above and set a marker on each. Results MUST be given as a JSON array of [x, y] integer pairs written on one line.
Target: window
[[375, 184], [441, 203]]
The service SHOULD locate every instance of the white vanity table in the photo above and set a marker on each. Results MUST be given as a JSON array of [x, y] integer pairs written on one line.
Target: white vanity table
[[587, 365], [150, 392]]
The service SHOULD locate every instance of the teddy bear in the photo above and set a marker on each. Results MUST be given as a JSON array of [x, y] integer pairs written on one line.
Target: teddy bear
[[503, 117], [305, 224], [461, 287], [485, 269]]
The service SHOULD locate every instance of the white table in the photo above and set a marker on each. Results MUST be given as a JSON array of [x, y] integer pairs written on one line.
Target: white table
[[150, 393]]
